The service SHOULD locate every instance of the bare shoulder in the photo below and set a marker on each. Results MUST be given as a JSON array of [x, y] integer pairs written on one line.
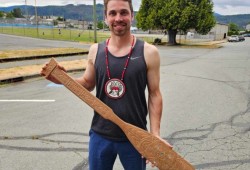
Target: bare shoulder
[[92, 52], [151, 54], [149, 48]]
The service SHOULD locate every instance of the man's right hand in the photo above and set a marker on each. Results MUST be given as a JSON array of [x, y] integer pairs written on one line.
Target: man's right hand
[[50, 78]]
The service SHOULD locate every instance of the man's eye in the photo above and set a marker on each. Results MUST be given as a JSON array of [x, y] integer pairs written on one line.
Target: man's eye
[[112, 13], [124, 12]]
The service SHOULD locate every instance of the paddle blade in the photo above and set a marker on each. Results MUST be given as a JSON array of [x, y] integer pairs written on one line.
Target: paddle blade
[[155, 150]]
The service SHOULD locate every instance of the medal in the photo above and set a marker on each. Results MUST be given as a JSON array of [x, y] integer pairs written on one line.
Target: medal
[[115, 88]]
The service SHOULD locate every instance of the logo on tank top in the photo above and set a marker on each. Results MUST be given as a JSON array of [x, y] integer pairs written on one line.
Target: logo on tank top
[[134, 58]]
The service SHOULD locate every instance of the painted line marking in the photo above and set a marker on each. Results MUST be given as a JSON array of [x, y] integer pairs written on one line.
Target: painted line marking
[[17, 100], [54, 85]]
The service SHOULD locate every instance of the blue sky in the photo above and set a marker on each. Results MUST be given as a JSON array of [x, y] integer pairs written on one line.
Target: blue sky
[[223, 7]]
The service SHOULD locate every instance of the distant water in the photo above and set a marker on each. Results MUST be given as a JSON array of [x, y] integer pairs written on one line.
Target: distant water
[[24, 25]]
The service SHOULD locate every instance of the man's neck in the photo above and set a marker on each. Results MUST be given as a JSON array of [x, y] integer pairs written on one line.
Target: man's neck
[[121, 41]]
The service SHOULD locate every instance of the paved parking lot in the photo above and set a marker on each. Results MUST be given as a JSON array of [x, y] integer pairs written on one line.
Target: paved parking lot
[[206, 115]]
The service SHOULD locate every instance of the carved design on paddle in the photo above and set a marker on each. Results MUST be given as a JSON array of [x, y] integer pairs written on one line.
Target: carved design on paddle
[[155, 150]]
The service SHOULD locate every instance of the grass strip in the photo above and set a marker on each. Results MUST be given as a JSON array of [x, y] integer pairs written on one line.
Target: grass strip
[[39, 52], [35, 69]]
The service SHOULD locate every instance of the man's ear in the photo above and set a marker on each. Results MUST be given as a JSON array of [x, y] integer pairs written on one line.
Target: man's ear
[[105, 19], [132, 16], [106, 22]]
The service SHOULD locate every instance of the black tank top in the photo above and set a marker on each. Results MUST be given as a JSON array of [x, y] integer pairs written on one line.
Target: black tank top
[[132, 107]]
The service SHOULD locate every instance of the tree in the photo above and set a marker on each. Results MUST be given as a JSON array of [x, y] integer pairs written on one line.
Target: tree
[[61, 19], [9, 15], [55, 22], [233, 29], [1, 14], [17, 13], [176, 15], [101, 25]]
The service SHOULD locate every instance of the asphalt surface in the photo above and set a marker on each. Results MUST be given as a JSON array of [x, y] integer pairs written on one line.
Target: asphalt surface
[[206, 114], [12, 42], [22, 43]]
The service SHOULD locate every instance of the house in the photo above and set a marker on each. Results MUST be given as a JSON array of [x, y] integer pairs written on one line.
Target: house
[[61, 24], [77, 24]]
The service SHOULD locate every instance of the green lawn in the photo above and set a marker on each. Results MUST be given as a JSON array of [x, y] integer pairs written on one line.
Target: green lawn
[[54, 33]]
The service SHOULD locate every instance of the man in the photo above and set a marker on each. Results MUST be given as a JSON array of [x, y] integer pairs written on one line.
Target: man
[[121, 68]]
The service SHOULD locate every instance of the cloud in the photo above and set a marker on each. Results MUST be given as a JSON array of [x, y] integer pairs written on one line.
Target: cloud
[[224, 7], [231, 3]]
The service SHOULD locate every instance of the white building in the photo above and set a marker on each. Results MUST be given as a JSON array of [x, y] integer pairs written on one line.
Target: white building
[[248, 27], [219, 31], [77, 24]]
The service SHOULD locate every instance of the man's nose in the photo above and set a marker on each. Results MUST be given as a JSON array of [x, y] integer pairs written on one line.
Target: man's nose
[[118, 17]]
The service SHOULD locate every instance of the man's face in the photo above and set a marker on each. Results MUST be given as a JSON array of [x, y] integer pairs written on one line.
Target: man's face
[[119, 17]]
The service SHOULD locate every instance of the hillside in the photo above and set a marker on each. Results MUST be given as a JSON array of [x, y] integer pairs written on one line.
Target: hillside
[[241, 20], [79, 12], [85, 12]]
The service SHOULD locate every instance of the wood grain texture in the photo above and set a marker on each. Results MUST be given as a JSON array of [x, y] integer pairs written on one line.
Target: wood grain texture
[[148, 145]]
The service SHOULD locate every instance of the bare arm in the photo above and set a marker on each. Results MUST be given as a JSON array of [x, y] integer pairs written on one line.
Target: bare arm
[[152, 58], [88, 78], [154, 98]]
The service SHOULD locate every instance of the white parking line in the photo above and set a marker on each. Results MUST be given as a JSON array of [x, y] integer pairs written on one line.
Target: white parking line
[[17, 100]]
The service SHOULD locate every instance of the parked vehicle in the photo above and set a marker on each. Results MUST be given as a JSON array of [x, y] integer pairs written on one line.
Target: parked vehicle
[[246, 35], [241, 38], [233, 38]]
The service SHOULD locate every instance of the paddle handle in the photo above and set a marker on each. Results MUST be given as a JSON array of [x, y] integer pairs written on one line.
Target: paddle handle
[[81, 92]]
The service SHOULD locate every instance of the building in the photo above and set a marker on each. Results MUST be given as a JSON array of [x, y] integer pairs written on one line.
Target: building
[[77, 24], [248, 27], [219, 31]]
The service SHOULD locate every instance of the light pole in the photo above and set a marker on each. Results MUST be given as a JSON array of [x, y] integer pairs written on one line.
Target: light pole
[[94, 16]]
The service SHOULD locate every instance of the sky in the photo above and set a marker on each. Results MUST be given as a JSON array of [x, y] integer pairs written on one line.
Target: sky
[[223, 7]]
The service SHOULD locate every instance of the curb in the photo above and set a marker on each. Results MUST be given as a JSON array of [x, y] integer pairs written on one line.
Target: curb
[[26, 77], [40, 57]]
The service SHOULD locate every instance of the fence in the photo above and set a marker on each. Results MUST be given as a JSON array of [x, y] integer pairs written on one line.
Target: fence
[[27, 28]]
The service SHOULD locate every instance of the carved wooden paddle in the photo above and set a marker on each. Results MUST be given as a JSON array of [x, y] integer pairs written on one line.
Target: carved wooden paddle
[[148, 145]]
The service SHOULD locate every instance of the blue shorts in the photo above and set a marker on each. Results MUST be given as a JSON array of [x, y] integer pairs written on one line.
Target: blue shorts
[[103, 152]]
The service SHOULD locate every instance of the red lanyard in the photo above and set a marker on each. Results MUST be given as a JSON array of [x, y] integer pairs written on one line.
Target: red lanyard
[[126, 63]]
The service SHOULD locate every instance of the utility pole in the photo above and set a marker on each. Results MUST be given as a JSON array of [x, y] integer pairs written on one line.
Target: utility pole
[[95, 20], [36, 20], [103, 21], [26, 10]]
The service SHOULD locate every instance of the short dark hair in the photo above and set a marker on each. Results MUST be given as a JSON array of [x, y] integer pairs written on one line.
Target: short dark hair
[[107, 1]]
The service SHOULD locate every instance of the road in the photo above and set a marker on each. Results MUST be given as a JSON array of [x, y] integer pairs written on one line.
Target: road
[[206, 115]]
